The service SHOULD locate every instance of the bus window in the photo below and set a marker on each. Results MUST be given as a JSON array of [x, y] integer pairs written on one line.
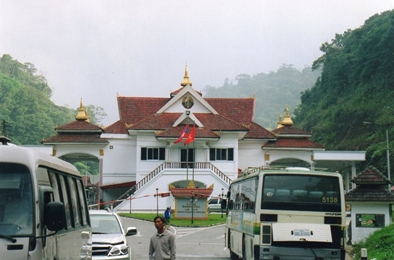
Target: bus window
[[75, 202], [301, 192], [55, 186], [243, 196], [65, 200], [82, 198]]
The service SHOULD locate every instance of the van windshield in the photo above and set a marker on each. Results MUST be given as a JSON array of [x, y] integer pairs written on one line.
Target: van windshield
[[16, 200], [105, 224], [301, 192]]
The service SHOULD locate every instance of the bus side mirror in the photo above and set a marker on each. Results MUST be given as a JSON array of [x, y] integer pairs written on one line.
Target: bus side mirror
[[223, 204], [55, 216], [230, 204]]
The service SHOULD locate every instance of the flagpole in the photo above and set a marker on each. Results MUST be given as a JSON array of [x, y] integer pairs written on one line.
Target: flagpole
[[187, 162], [187, 150], [194, 161]]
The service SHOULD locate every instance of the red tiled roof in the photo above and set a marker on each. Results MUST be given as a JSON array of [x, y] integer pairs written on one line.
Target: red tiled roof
[[177, 131], [119, 127], [79, 125], [187, 192], [134, 109], [235, 114], [294, 143], [370, 193], [75, 138], [155, 122], [256, 132], [219, 122], [370, 175], [290, 130], [238, 109], [165, 121], [371, 186]]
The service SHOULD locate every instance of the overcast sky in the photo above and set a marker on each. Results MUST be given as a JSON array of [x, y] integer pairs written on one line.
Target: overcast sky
[[93, 49]]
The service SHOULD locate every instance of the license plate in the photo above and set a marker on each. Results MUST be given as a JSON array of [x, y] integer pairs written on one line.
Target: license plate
[[302, 232]]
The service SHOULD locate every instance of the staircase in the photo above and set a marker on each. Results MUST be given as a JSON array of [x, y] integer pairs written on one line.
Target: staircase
[[171, 165]]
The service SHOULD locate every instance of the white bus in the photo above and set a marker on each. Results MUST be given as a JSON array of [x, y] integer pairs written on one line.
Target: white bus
[[287, 214], [43, 209]]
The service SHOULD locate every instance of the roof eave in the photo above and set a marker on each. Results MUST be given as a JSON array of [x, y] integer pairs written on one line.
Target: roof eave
[[73, 143], [292, 148], [80, 131]]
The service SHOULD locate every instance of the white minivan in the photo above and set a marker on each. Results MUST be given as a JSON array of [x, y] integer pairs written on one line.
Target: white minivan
[[215, 204], [43, 208]]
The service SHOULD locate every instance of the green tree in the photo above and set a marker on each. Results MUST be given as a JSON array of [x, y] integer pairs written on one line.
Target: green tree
[[27, 113], [356, 85]]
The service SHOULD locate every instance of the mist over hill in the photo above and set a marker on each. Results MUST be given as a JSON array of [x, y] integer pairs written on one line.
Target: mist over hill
[[27, 113], [273, 91]]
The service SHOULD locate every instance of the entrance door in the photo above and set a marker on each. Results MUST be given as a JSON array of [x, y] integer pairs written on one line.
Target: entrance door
[[187, 158]]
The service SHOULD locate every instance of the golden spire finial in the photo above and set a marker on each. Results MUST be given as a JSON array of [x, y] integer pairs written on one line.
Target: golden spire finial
[[186, 80], [81, 115], [287, 119], [280, 121]]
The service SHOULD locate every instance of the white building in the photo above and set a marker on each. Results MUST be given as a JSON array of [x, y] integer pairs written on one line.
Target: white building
[[138, 157], [371, 204]]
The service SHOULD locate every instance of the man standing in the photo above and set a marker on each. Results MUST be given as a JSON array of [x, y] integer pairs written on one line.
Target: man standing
[[162, 244], [167, 216]]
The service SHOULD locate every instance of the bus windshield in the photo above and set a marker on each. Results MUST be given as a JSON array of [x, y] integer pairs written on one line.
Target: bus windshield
[[16, 200], [301, 192]]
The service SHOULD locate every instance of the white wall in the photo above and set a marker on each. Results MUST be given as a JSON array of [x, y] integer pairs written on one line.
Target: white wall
[[250, 154], [361, 233]]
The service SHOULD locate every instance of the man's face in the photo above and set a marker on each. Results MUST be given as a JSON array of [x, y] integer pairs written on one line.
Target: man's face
[[159, 224]]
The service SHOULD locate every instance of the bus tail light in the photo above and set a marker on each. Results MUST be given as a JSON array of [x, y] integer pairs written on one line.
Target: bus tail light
[[266, 235], [269, 217]]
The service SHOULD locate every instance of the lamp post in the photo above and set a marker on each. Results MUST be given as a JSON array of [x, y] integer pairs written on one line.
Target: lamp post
[[157, 201], [387, 151], [221, 204], [129, 195], [192, 203], [388, 156]]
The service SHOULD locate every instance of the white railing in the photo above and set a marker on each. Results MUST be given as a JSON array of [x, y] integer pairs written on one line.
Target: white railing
[[174, 165]]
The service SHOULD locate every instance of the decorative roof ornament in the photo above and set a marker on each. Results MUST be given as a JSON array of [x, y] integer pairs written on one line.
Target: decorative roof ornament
[[186, 80], [82, 114], [279, 125], [187, 102], [287, 119], [191, 185]]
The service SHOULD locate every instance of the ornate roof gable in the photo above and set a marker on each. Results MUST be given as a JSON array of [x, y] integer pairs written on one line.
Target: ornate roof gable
[[372, 176], [370, 187]]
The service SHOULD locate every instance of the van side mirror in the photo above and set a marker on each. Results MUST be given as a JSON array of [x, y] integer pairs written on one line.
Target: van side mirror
[[223, 204], [55, 216], [131, 231]]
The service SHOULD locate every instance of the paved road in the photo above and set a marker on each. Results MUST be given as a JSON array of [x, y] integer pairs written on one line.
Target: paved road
[[192, 243]]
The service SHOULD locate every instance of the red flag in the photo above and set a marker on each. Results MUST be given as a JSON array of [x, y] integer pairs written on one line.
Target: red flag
[[185, 134], [190, 138]]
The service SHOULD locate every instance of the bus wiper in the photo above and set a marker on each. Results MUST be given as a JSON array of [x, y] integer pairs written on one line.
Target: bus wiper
[[13, 240], [313, 251]]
